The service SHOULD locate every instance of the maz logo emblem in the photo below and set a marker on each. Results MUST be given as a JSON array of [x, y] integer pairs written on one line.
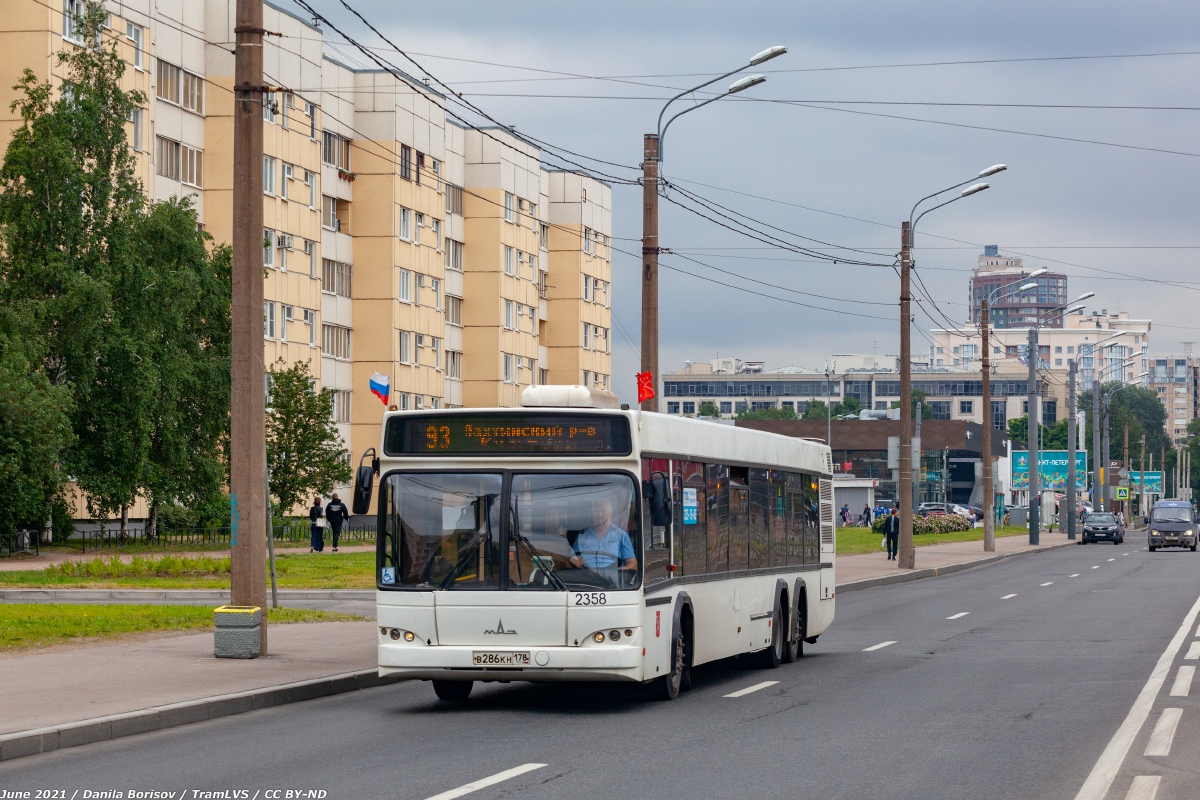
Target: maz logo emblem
[[500, 630]]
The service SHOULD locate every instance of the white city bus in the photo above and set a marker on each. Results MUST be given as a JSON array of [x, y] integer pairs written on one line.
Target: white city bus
[[569, 540]]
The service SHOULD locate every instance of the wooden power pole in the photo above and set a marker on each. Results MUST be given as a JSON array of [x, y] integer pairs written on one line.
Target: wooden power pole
[[904, 492], [247, 446], [650, 167]]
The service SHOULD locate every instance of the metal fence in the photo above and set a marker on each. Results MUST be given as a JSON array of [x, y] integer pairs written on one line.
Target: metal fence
[[19, 542], [206, 538]]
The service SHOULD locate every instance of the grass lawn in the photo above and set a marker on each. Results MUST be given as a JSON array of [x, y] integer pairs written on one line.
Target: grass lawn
[[294, 571], [26, 625], [864, 540]]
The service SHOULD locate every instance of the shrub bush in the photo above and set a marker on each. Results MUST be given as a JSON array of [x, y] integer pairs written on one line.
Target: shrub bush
[[941, 523]]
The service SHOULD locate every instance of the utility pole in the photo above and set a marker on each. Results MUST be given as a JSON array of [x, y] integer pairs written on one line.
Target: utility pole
[[904, 493], [1125, 466], [247, 441], [1072, 448], [1142, 478], [1097, 458], [650, 166], [1035, 494], [1106, 446], [1163, 461], [989, 499]]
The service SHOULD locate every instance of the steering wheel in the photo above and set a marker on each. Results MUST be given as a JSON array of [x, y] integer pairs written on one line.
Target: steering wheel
[[624, 577]]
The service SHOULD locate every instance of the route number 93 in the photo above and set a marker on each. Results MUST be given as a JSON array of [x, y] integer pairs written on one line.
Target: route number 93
[[590, 598]]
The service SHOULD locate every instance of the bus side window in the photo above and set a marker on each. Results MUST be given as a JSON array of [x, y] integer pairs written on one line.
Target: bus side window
[[657, 539]]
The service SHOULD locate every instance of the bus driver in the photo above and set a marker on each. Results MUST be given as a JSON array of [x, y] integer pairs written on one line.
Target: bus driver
[[603, 544]]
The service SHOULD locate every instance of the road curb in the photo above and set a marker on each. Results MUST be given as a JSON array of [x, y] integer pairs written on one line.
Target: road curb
[[215, 596], [99, 729], [933, 572]]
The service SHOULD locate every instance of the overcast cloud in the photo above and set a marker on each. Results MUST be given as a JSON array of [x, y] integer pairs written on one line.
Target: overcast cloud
[[1099, 207]]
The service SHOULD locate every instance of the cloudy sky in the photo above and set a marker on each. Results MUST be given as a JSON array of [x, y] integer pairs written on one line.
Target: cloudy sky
[[1120, 221]]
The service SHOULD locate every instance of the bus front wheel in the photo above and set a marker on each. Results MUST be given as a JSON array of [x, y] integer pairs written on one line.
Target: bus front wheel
[[453, 691]]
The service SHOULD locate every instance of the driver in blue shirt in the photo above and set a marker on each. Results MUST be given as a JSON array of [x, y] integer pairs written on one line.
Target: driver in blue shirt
[[603, 544]]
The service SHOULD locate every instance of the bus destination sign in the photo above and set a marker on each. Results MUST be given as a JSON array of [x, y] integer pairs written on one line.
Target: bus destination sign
[[508, 434]]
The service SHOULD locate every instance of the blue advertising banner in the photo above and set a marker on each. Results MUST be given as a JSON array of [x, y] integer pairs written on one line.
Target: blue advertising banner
[[1154, 482], [1052, 470]]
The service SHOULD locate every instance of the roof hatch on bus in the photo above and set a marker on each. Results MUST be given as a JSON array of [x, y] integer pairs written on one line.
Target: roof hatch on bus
[[567, 397]]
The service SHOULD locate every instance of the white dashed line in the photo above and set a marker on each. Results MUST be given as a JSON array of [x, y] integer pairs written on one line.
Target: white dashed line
[[1047, 583], [749, 689], [1183, 682], [483, 783], [1076, 575], [1124, 554], [1193, 652], [1112, 559], [1096, 567], [1009, 596], [964, 613], [1164, 733], [879, 646], [1144, 787], [1100, 779]]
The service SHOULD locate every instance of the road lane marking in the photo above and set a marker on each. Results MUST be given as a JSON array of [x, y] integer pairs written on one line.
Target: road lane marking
[[1198, 630], [959, 614], [1048, 583], [879, 646], [1102, 774], [749, 689], [1009, 596], [1144, 787], [1183, 682], [1076, 575], [483, 783], [1096, 567], [1164, 733], [1193, 652], [1112, 559], [1124, 554]]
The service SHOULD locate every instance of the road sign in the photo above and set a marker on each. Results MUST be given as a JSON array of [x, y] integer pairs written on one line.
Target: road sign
[[1122, 492]]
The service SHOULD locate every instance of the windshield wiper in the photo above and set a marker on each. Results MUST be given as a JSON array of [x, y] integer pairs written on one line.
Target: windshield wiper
[[473, 547], [536, 558]]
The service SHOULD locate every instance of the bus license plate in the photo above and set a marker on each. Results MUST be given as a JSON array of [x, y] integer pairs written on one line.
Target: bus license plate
[[518, 659]]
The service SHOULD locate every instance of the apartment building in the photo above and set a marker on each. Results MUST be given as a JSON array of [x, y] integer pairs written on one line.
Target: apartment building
[[999, 279], [395, 241], [1176, 381]]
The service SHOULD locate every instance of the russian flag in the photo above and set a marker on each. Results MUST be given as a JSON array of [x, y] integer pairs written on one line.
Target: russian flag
[[381, 387]]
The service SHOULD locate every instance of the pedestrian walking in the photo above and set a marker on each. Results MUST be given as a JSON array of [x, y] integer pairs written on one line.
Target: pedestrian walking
[[845, 514], [866, 516], [316, 516], [336, 513], [891, 532]]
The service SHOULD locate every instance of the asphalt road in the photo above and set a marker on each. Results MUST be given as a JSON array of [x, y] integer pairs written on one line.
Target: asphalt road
[[978, 697]]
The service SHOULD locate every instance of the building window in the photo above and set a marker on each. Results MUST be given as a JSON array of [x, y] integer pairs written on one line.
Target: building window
[[310, 319], [268, 175], [269, 107], [329, 217], [335, 341], [726, 407], [437, 174], [965, 407], [436, 227], [420, 167], [134, 32], [336, 277], [283, 243], [543, 236], [341, 405], [673, 407], [310, 250], [269, 320], [406, 351], [135, 116], [453, 364], [284, 319], [510, 207], [508, 368], [178, 161], [508, 260], [405, 224], [454, 255], [406, 162], [310, 110], [417, 231], [454, 199], [941, 409], [508, 314], [405, 286], [286, 179], [587, 289], [310, 180], [268, 247], [335, 150]]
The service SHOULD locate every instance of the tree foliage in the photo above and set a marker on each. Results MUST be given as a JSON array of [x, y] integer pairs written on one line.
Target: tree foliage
[[305, 453], [767, 413], [708, 408]]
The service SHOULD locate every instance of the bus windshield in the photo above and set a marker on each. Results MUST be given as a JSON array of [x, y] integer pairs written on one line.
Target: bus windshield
[[1171, 514], [565, 530]]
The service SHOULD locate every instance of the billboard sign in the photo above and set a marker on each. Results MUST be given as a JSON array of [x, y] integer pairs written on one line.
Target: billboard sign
[[1052, 469], [1154, 482]]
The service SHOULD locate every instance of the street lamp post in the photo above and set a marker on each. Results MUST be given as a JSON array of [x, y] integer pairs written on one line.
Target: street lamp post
[[904, 492], [651, 166], [989, 518]]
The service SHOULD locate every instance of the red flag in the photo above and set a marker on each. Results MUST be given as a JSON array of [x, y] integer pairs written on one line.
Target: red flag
[[645, 383]]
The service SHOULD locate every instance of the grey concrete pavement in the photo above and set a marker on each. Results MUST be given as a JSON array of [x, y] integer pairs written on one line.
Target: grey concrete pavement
[[997, 686]]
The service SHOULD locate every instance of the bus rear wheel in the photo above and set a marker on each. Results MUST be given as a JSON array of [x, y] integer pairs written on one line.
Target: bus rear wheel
[[453, 691]]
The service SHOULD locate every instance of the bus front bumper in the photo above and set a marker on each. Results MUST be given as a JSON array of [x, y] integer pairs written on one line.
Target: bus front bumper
[[450, 662]]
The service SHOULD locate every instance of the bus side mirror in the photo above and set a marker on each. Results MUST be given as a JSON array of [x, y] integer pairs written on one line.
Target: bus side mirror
[[659, 498], [364, 481]]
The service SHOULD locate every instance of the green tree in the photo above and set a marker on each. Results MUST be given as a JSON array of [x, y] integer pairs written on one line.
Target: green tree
[[1137, 407], [767, 413], [816, 409], [1050, 437], [849, 405], [708, 409], [305, 454], [918, 397]]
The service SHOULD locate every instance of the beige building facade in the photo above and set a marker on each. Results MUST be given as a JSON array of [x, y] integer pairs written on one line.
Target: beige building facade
[[395, 241]]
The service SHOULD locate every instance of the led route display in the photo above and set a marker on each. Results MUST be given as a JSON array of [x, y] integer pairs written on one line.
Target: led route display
[[518, 433]]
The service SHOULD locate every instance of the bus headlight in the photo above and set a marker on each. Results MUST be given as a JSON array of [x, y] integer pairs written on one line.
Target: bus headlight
[[409, 636], [395, 634], [628, 633], [599, 637], [614, 635]]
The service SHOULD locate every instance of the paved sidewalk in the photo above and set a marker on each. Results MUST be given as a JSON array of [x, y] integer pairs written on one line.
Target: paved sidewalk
[[856, 568], [66, 684]]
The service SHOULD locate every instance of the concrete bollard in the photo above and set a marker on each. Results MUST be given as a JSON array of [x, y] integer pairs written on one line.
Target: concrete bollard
[[238, 633]]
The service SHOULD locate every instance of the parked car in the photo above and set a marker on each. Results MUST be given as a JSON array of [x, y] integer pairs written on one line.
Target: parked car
[[1102, 525], [1172, 524], [928, 509]]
